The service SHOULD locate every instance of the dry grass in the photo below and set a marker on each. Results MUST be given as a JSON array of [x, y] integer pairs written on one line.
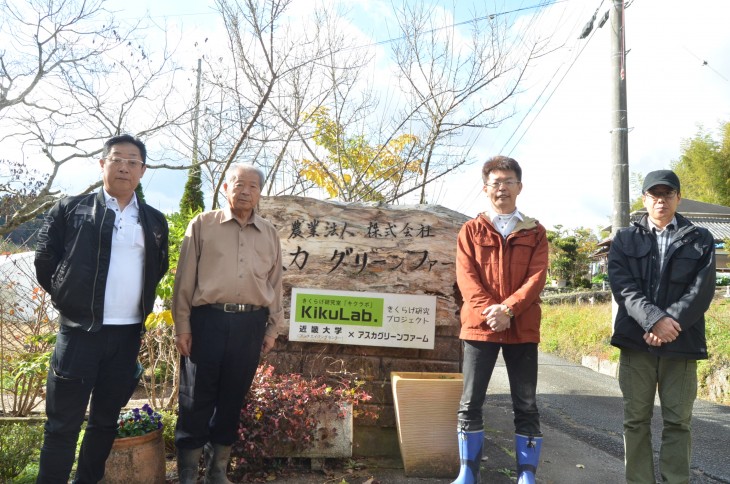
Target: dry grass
[[574, 330]]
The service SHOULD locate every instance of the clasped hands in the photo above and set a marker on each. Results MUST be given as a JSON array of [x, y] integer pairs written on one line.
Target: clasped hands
[[665, 330], [496, 318]]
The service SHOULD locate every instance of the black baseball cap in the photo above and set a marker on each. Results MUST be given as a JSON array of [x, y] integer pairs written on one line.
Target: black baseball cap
[[661, 177]]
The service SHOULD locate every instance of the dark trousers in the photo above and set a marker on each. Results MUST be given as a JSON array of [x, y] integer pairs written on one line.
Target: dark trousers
[[84, 365], [479, 360], [216, 376]]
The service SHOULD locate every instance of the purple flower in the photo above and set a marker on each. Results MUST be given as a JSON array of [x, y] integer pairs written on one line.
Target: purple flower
[[138, 422]]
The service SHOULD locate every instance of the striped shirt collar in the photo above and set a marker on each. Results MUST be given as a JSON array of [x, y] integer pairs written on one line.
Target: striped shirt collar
[[663, 237], [671, 225]]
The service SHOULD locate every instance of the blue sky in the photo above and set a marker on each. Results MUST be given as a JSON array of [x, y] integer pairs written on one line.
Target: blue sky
[[560, 132]]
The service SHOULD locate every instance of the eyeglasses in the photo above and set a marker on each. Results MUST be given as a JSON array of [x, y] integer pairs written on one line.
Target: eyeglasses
[[497, 184], [129, 163], [664, 195]]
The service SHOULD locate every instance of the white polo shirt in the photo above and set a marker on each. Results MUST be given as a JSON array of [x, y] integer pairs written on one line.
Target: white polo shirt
[[505, 224], [123, 291]]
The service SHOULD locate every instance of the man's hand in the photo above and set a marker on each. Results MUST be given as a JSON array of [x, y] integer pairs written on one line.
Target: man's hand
[[666, 329], [652, 340], [184, 342], [269, 343], [496, 318]]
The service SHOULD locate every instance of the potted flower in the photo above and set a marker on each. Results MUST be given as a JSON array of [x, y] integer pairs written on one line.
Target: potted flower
[[136, 422], [138, 453]]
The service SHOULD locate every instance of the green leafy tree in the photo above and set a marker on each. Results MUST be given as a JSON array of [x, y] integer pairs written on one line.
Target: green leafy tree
[[178, 224], [140, 193], [192, 198], [570, 252], [704, 167], [563, 252], [353, 170]]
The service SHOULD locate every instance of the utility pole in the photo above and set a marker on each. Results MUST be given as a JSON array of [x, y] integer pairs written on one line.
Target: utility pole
[[620, 126]]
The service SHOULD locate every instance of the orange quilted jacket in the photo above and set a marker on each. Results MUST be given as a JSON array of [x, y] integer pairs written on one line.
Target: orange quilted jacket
[[492, 270]]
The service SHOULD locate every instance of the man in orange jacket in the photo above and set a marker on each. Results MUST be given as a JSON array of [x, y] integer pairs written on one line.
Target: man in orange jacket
[[501, 265]]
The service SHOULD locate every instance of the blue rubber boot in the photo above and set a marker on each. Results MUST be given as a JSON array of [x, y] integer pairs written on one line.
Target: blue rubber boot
[[470, 456], [527, 450]]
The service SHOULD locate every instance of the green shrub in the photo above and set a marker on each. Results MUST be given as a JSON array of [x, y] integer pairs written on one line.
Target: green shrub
[[19, 445], [717, 331], [168, 430], [599, 278], [582, 283]]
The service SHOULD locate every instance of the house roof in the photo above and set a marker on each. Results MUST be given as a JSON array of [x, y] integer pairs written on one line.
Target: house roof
[[690, 208], [715, 218]]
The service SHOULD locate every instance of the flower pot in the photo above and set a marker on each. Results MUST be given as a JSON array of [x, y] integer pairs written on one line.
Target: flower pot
[[136, 460], [425, 411]]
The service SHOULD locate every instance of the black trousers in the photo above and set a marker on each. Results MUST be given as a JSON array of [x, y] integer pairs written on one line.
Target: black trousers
[[216, 376], [84, 365], [521, 360]]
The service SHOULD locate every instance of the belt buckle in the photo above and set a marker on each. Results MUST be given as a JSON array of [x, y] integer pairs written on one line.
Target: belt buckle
[[230, 308]]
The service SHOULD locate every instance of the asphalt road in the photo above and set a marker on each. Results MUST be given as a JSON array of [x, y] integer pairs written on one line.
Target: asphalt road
[[581, 414], [587, 406]]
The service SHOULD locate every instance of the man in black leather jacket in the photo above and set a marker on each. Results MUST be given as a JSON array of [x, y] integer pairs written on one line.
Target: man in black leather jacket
[[100, 257], [662, 275]]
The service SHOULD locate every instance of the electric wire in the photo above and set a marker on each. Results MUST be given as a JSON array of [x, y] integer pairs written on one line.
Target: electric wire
[[476, 190], [706, 64], [551, 94]]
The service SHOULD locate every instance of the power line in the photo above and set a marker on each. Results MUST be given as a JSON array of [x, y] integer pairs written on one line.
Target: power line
[[551, 94], [585, 44], [476, 190], [706, 64], [490, 16]]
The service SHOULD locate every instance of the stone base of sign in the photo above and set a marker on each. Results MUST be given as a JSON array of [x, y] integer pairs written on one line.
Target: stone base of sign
[[339, 436], [372, 365], [375, 441]]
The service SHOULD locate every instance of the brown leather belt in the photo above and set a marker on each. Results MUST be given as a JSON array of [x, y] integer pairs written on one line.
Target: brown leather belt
[[235, 308]]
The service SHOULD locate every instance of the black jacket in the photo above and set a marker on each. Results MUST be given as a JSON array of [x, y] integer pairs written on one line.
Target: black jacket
[[683, 290], [73, 253]]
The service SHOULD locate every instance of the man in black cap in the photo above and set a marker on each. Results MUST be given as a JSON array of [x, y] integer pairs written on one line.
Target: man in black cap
[[662, 275]]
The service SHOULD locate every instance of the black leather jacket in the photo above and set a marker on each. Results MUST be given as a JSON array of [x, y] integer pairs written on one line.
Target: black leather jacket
[[683, 290], [73, 253]]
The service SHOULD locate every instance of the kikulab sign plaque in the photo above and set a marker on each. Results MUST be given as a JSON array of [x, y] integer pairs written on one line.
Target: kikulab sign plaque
[[362, 318]]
